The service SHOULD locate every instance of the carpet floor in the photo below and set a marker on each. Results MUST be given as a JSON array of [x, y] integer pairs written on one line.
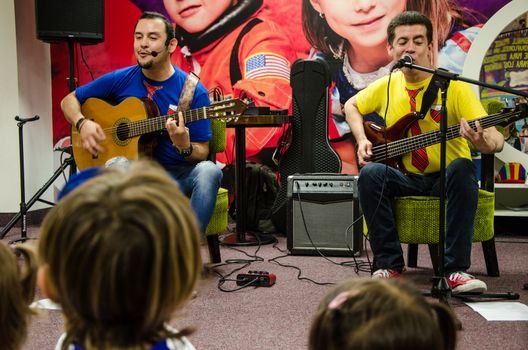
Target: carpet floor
[[279, 317]]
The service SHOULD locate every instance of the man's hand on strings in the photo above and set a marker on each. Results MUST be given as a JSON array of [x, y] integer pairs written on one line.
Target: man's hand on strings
[[485, 140], [178, 132], [92, 135], [364, 151]]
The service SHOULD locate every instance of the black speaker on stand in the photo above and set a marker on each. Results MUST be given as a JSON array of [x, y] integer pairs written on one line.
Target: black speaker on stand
[[58, 21], [70, 20]]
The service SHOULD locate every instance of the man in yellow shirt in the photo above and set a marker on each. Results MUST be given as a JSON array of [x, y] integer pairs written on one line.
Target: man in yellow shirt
[[410, 33]]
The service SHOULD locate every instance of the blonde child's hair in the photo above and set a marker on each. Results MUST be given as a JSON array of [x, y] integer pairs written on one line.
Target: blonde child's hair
[[17, 290], [371, 314], [121, 254]]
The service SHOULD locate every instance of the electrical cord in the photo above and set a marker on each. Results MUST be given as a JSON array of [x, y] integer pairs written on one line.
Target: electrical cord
[[85, 63], [217, 93], [276, 246], [62, 161], [357, 265], [244, 262], [354, 263], [299, 271], [225, 278], [386, 149], [308, 232]]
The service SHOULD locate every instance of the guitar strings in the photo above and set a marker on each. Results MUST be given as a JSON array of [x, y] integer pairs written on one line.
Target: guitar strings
[[402, 146], [135, 128]]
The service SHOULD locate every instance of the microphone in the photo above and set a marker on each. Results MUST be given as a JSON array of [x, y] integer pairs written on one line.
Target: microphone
[[402, 62], [153, 53]]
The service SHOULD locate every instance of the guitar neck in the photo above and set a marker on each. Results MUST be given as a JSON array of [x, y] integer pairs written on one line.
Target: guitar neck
[[403, 146], [145, 126]]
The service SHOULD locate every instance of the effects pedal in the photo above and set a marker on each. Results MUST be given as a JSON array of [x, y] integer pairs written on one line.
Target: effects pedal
[[256, 279]]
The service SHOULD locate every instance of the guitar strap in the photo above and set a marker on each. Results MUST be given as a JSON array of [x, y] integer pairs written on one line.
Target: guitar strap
[[187, 93], [430, 95]]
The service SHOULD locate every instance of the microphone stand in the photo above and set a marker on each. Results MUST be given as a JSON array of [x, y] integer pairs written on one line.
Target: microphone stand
[[444, 73], [442, 77]]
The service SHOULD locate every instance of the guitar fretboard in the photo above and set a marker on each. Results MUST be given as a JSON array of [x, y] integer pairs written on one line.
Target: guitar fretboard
[[403, 146], [145, 126]]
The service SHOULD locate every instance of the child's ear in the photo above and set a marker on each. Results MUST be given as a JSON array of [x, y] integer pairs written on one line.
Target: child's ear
[[43, 282]]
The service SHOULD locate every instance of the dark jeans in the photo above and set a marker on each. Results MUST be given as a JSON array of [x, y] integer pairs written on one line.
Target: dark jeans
[[377, 184]]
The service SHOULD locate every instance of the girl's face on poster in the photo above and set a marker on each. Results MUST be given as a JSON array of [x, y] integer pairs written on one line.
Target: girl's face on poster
[[363, 23], [195, 16]]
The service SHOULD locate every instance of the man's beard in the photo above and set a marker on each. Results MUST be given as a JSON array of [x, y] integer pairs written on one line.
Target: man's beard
[[146, 65]]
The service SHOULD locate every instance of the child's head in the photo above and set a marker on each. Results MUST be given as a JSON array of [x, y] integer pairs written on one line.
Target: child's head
[[120, 254], [368, 314], [17, 289]]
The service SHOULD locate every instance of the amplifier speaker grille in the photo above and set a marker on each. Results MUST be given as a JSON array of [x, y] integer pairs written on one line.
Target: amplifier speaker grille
[[321, 212]]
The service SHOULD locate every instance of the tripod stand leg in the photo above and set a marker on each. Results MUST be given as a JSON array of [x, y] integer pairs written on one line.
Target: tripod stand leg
[[469, 297], [10, 224], [37, 195], [441, 290]]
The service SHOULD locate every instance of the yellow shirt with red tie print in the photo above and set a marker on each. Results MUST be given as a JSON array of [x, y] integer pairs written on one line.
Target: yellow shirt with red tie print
[[461, 103]]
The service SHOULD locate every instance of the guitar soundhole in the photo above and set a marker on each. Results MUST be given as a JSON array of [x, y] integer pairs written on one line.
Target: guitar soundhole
[[122, 132]]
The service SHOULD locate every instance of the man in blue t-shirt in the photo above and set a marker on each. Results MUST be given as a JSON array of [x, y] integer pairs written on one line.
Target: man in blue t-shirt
[[183, 148]]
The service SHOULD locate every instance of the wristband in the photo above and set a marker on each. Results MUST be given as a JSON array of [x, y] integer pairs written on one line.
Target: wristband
[[79, 123], [186, 152]]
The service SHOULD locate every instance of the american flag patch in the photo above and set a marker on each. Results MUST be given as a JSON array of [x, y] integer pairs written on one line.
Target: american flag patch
[[267, 65]]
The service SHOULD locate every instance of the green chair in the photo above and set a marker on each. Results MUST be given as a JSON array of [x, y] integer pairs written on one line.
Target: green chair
[[417, 222], [219, 220], [417, 219]]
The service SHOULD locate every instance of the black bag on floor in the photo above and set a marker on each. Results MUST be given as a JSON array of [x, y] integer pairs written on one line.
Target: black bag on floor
[[261, 190]]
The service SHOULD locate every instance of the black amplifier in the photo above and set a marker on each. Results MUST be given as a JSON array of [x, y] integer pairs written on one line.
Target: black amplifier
[[323, 215]]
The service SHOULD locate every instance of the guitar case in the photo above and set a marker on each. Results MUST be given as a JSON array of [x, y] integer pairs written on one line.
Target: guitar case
[[310, 150]]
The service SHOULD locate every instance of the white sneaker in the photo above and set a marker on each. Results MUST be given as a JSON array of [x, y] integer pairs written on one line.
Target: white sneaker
[[461, 282], [386, 273]]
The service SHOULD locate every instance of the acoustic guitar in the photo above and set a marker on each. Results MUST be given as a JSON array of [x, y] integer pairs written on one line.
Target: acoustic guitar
[[131, 125], [390, 144]]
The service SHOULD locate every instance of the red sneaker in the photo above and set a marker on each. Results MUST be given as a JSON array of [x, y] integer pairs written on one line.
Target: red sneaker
[[386, 273], [461, 282]]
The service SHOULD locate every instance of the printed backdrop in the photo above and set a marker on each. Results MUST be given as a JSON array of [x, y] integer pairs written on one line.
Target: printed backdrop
[[116, 51]]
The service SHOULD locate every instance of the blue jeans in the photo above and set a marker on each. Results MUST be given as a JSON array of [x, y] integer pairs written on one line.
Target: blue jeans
[[377, 184], [200, 182]]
